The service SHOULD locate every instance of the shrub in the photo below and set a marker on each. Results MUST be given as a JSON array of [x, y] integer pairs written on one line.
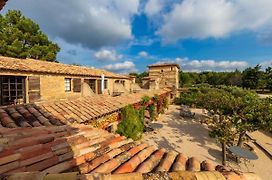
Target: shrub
[[165, 103], [156, 98], [145, 99], [151, 110], [131, 125]]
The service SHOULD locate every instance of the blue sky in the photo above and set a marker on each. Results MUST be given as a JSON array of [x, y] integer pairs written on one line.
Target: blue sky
[[126, 35]]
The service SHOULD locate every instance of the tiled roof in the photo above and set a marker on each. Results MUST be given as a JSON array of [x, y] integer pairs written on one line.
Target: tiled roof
[[164, 64], [2, 3], [38, 66], [26, 116], [86, 150], [82, 110]]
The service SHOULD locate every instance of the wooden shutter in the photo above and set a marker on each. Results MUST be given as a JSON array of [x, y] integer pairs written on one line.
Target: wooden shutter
[[34, 92], [77, 85]]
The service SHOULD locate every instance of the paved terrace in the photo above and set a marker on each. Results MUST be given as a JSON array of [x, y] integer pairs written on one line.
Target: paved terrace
[[45, 152], [82, 110]]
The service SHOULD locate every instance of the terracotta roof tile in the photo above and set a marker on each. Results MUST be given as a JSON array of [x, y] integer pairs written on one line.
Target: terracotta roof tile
[[152, 162], [81, 110], [38, 66], [164, 64], [88, 150]]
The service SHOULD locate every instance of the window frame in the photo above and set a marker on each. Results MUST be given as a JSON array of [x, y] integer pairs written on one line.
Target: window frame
[[67, 80]]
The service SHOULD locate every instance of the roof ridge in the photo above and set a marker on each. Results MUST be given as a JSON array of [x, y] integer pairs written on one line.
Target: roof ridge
[[36, 65]]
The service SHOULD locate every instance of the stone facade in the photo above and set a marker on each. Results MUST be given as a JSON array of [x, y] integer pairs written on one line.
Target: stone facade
[[52, 86], [163, 75]]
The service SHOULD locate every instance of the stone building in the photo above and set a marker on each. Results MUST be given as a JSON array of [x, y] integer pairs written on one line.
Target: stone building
[[28, 80], [162, 75]]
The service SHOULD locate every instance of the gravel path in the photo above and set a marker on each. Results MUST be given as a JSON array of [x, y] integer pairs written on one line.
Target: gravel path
[[191, 138]]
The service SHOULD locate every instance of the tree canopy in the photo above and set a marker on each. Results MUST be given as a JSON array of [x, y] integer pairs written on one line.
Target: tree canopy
[[20, 37], [236, 112], [251, 78]]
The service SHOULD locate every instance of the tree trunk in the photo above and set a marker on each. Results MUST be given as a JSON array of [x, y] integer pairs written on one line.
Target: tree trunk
[[224, 156], [241, 137]]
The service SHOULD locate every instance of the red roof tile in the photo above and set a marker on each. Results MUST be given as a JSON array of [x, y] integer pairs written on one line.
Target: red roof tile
[[38, 66], [164, 64], [88, 150], [81, 110]]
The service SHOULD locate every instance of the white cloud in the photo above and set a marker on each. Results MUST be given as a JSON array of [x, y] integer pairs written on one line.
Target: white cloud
[[207, 65], [124, 67], [153, 7], [266, 64], [108, 55], [90, 23], [214, 18], [143, 54]]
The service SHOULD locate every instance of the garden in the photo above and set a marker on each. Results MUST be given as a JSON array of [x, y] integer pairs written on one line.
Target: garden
[[232, 113]]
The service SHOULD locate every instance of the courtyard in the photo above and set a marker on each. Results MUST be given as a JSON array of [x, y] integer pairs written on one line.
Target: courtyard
[[190, 137]]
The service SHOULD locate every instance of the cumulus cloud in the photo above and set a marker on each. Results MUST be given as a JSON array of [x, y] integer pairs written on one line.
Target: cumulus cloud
[[124, 67], [143, 54], [153, 7], [214, 18], [207, 65], [107, 55], [89, 23]]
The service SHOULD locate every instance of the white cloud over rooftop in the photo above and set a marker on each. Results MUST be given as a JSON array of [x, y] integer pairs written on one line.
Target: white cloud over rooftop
[[108, 55], [89, 23], [202, 19], [207, 65], [123, 67]]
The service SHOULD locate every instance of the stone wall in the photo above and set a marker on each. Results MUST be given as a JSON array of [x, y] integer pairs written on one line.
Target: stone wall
[[166, 75], [52, 86]]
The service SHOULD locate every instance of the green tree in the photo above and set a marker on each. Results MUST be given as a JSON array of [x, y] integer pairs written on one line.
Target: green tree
[[251, 77], [234, 78], [139, 76], [20, 37], [268, 73]]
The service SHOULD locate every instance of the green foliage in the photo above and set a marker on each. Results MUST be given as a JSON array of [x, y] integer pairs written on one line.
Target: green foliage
[[151, 110], [156, 98], [165, 103], [141, 114], [132, 124], [251, 77], [188, 79], [186, 98], [239, 110], [145, 99], [139, 76], [20, 37]]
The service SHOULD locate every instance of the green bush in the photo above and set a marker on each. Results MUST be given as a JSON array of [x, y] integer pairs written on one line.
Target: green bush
[[151, 110], [132, 124], [145, 100], [156, 98]]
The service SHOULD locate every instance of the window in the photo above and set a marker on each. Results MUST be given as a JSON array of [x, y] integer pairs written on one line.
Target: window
[[12, 90], [67, 84], [161, 70], [76, 84], [171, 68], [91, 83], [123, 83]]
